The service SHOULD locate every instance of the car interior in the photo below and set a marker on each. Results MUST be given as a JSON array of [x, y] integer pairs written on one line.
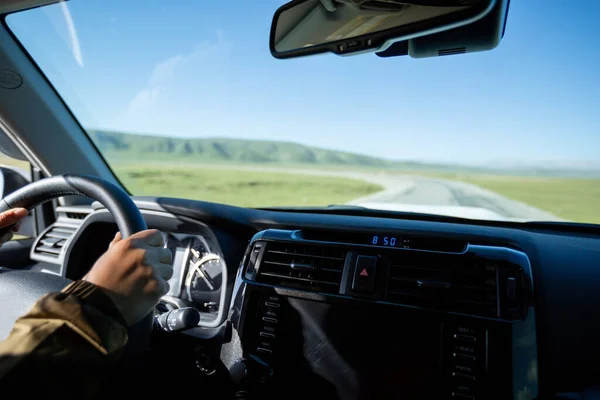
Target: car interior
[[335, 302]]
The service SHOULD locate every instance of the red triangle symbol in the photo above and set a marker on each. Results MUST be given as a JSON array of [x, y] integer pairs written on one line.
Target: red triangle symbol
[[364, 272]]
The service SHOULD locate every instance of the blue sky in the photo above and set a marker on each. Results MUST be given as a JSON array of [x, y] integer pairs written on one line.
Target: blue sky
[[203, 69]]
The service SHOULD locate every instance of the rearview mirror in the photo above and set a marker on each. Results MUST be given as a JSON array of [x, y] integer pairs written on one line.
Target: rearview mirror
[[306, 27]]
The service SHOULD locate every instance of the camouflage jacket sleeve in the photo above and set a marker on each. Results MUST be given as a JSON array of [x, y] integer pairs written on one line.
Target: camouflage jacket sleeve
[[66, 344]]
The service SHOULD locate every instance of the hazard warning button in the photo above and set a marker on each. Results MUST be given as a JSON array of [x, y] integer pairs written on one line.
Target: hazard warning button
[[364, 274]]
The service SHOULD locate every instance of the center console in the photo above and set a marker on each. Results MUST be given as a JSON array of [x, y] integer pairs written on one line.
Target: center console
[[343, 315]]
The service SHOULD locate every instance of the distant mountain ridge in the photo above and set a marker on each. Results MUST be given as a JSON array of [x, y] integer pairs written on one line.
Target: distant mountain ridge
[[129, 147], [117, 144]]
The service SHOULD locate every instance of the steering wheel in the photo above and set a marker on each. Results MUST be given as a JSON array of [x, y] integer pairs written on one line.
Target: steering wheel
[[19, 290]]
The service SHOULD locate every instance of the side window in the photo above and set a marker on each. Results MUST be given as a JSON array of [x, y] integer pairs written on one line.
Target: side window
[[15, 172], [8, 162]]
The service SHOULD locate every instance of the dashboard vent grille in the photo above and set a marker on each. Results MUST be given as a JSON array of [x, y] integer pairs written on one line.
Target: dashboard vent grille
[[455, 283], [300, 266], [53, 241], [76, 215]]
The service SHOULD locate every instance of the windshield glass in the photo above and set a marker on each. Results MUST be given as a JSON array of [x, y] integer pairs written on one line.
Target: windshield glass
[[183, 99]]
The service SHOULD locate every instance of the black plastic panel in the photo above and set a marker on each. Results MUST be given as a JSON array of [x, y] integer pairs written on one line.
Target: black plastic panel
[[343, 350], [482, 281]]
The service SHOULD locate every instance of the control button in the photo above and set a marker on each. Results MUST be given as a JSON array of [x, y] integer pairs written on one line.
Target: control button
[[270, 319], [267, 335], [178, 320], [364, 274], [462, 396], [465, 384], [467, 357], [465, 338], [464, 349], [265, 344], [262, 350], [465, 368], [239, 372], [271, 304], [462, 388], [466, 377], [464, 330]]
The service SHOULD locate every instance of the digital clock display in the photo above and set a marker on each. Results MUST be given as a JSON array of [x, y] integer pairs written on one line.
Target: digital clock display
[[389, 241]]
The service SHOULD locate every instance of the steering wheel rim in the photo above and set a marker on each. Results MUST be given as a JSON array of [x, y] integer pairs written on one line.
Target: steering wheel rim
[[20, 289], [116, 200]]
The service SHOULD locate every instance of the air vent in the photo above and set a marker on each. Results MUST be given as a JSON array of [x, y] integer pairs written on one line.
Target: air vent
[[449, 52], [456, 283], [300, 266], [52, 242], [76, 215]]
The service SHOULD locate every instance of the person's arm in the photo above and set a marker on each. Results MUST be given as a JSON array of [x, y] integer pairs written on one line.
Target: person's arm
[[68, 342], [65, 344]]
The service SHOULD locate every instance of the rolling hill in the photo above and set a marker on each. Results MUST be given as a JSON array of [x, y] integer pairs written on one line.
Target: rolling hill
[[128, 148], [122, 146]]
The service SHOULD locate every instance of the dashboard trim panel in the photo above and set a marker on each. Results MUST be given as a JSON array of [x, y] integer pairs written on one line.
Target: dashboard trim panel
[[494, 252]]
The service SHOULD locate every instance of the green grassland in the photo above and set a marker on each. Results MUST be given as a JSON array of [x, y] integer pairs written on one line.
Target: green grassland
[[239, 187], [212, 169], [568, 198], [572, 199], [11, 162]]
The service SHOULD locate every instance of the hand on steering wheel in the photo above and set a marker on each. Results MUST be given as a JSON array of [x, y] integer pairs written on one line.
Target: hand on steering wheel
[[8, 218], [19, 290], [134, 273]]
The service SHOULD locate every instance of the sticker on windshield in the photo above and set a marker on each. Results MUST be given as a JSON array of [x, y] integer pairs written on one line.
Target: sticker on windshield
[[9, 79]]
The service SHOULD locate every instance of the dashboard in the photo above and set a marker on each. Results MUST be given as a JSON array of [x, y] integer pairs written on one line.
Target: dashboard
[[363, 305]]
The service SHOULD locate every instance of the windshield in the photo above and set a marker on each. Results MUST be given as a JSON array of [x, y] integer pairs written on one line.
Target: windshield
[[183, 99]]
